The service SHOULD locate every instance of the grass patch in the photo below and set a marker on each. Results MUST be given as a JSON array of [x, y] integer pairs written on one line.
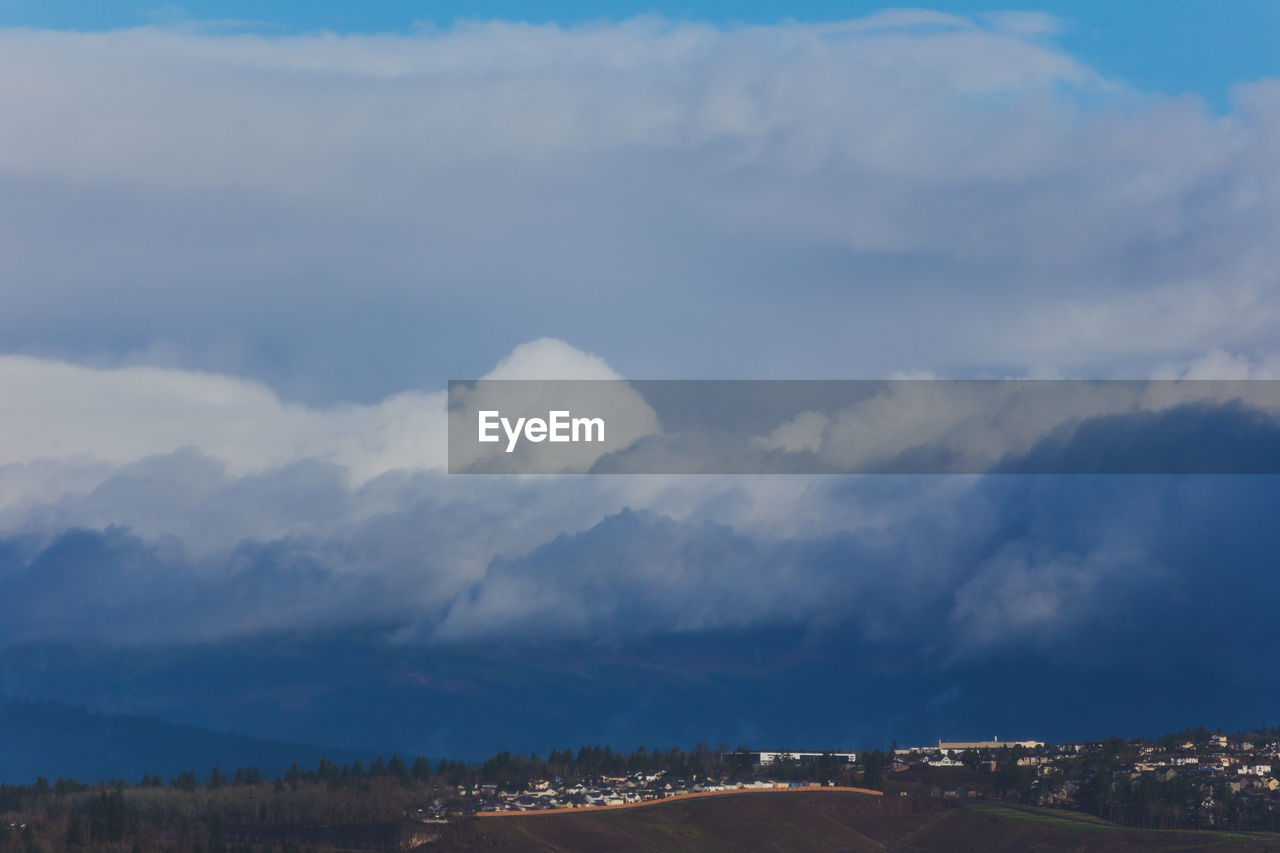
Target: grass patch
[[1092, 823], [1048, 817]]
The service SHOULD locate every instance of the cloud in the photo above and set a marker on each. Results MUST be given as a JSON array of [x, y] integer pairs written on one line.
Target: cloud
[[96, 417], [803, 432], [1041, 600], [963, 427], [234, 262], [57, 410], [629, 574], [110, 585], [342, 218], [1220, 364], [507, 390], [194, 491], [1026, 23], [1096, 571], [943, 589], [547, 358]]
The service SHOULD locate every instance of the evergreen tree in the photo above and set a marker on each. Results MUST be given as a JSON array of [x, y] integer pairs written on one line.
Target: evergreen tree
[[216, 778], [873, 770], [75, 832], [185, 781], [217, 835]]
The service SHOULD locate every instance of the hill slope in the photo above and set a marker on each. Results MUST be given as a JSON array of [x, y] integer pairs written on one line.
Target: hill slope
[[827, 821]]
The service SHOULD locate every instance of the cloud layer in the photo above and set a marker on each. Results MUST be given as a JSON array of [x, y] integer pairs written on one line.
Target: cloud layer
[[238, 269], [348, 217], [172, 507]]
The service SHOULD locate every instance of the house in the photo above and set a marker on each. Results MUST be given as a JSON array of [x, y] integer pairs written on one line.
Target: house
[[805, 759], [944, 761]]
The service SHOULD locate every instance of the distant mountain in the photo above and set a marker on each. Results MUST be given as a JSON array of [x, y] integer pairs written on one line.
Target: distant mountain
[[51, 740], [783, 686]]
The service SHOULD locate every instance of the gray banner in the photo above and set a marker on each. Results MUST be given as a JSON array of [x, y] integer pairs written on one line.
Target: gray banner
[[864, 427]]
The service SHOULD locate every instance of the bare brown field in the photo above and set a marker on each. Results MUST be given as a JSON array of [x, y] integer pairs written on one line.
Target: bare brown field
[[824, 820]]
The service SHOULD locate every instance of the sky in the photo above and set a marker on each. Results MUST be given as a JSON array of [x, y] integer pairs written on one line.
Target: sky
[[1194, 46], [243, 249]]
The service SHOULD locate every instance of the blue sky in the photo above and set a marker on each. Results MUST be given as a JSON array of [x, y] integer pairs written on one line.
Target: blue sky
[[1197, 46]]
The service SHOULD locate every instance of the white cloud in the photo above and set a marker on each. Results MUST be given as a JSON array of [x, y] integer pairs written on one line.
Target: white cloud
[[547, 358], [1219, 364], [293, 224], [803, 432], [97, 418], [906, 190], [56, 410]]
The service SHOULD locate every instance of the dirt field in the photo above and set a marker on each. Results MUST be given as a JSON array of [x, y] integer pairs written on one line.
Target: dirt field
[[826, 821]]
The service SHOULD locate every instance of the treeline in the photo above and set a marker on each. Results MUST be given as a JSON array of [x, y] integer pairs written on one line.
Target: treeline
[[1201, 737], [16, 798], [513, 772], [508, 770], [188, 811], [154, 815]]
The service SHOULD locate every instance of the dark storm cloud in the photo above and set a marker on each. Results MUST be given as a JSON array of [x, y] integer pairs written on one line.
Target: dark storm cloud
[[1101, 569], [1197, 438], [1002, 606], [959, 568], [111, 586], [334, 219]]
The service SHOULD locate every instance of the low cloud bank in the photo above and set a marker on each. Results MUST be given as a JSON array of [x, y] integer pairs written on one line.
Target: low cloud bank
[[218, 539]]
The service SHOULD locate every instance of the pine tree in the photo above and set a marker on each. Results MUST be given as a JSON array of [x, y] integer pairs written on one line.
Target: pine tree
[[216, 778], [873, 770], [217, 835], [75, 832]]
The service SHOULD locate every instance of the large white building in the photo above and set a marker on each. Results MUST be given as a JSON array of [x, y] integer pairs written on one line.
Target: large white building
[[994, 743], [766, 757], [949, 747]]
